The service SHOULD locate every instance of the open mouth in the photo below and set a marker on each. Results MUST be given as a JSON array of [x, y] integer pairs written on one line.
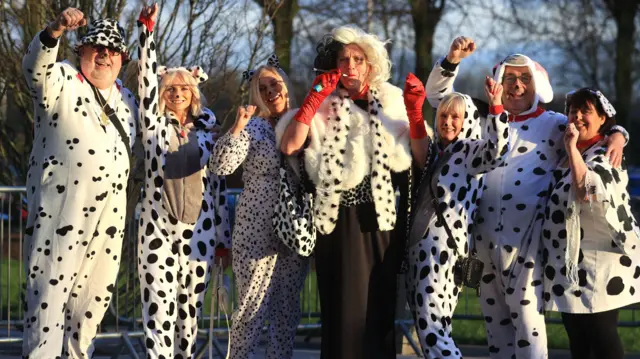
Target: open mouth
[[273, 99], [177, 102]]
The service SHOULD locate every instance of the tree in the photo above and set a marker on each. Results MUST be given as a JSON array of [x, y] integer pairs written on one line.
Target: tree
[[282, 14], [624, 13], [425, 14]]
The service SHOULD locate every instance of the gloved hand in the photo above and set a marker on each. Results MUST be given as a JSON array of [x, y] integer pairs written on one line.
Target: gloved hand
[[323, 85], [414, 95]]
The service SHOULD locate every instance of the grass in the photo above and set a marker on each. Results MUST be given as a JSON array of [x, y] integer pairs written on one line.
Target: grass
[[473, 331]]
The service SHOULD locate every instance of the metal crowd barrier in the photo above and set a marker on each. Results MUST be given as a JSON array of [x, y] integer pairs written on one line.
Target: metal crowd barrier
[[123, 322]]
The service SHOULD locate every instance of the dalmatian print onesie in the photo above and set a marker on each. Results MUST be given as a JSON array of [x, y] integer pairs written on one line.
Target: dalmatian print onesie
[[76, 189], [458, 183], [269, 276], [175, 254], [508, 226], [608, 272]]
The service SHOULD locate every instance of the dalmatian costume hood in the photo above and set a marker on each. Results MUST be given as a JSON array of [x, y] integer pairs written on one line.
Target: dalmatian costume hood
[[544, 92], [348, 143]]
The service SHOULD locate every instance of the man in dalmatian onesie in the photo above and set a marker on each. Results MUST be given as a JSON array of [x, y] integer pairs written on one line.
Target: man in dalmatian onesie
[[76, 186], [507, 234]]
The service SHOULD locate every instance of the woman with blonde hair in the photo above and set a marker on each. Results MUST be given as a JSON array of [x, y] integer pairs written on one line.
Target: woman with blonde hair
[[443, 214], [184, 214], [360, 144], [269, 276]]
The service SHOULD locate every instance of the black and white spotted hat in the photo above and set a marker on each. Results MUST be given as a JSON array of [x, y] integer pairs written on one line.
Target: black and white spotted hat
[[105, 32]]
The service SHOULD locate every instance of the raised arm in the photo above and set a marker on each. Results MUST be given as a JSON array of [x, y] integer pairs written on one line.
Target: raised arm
[[148, 89], [491, 151], [44, 77], [414, 96], [440, 81], [296, 133]]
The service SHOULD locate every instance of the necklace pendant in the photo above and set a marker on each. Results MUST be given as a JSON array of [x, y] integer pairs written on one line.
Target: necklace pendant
[[104, 119]]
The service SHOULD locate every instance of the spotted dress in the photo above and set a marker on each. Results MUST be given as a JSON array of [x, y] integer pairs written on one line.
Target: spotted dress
[[268, 275], [455, 176], [608, 267], [76, 192], [184, 217]]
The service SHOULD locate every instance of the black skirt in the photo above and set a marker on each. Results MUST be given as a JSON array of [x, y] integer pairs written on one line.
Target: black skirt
[[357, 268]]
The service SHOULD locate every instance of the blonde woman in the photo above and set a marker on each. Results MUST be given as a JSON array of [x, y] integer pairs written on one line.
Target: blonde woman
[[269, 276], [184, 214]]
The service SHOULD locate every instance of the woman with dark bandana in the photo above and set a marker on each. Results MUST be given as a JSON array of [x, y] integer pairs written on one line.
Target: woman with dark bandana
[[589, 234], [184, 215], [269, 276], [358, 153]]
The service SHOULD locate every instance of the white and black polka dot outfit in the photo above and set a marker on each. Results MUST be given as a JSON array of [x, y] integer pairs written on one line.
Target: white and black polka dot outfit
[[432, 292], [268, 275], [76, 189], [175, 255]]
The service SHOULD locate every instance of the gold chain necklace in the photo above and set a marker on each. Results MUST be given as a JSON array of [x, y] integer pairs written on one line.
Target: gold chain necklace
[[104, 119]]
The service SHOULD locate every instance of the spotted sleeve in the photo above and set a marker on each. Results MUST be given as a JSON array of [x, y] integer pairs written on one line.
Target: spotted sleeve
[[490, 152], [607, 187], [440, 81], [230, 152], [45, 77], [148, 88]]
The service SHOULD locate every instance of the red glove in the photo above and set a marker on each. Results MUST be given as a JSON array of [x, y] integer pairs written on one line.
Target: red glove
[[414, 95], [323, 86], [147, 20]]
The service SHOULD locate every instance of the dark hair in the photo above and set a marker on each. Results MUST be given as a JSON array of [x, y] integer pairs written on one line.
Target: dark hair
[[581, 99], [327, 57]]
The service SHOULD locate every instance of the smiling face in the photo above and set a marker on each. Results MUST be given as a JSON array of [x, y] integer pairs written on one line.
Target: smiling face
[[100, 65], [587, 120], [177, 95], [352, 62], [450, 118], [519, 89], [273, 92]]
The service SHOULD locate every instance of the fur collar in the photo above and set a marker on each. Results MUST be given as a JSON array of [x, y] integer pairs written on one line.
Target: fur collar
[[348, 143]]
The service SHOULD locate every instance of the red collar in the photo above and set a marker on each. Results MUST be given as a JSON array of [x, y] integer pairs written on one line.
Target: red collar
[[518, 118], [581, 145]]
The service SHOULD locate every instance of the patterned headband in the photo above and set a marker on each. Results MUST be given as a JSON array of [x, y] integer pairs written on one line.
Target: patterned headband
[[606, 105], [272, 61], [196, 71]]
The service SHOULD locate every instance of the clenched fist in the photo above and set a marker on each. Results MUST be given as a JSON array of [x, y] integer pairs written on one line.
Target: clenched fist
[[243, 116], [70, 19], [461, 47]]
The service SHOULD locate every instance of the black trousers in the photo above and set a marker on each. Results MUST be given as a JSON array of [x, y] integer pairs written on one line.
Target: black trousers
[[594, 335]]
